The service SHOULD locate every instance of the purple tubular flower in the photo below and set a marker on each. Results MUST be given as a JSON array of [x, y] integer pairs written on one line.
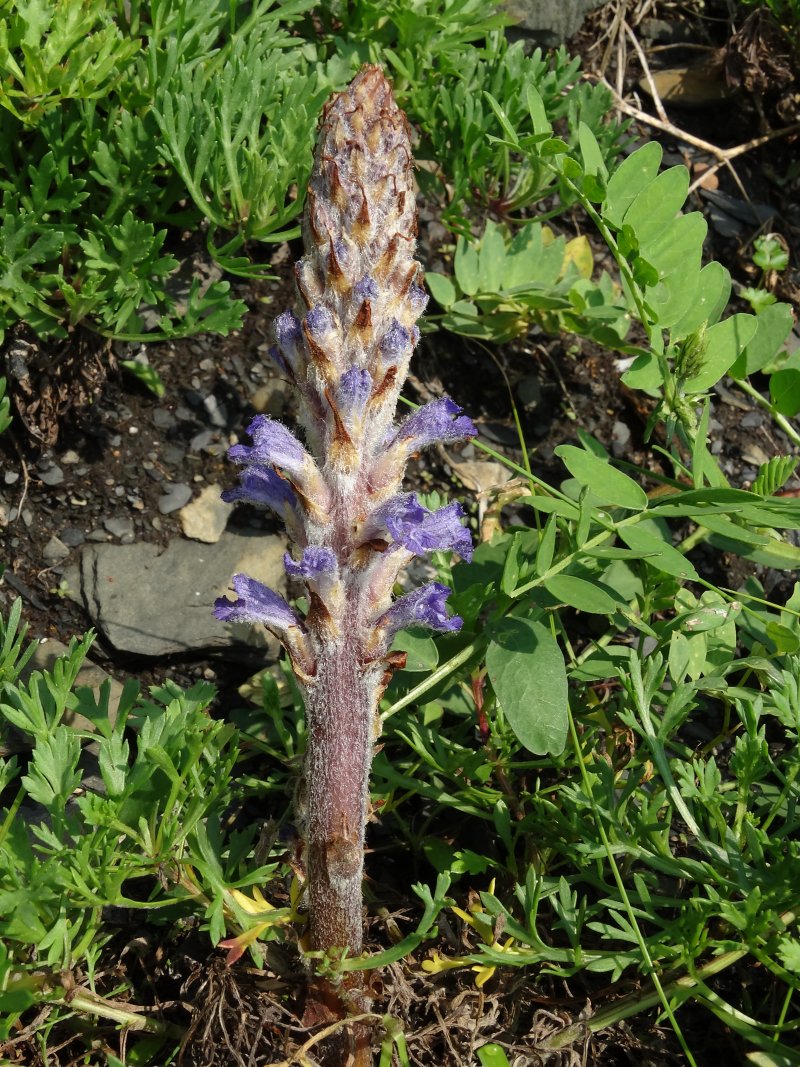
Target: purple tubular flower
[[366, 289], [423, 607], [395, 341], [273, 445], [256, 603], [262, 486], [440, 420], [353, 393], [315, 562], [419, 530], [418, 299], [289, 336], [319, 320]]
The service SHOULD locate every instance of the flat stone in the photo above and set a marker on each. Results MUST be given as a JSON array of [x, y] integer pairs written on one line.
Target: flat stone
[[163, 419], [154, 602], [10, 477], [177, 494], [207, 516], [70, 457], [549, 22]]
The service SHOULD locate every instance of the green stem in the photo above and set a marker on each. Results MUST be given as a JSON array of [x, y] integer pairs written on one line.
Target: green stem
[[780, 420]]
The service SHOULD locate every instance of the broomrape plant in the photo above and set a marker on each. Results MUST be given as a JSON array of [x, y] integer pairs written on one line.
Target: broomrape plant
[[346, 347]]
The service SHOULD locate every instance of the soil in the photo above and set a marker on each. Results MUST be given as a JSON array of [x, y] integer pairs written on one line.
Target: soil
[[118, 448]]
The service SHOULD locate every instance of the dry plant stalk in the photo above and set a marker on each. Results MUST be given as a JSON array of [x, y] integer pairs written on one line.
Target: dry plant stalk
[[346, 348]]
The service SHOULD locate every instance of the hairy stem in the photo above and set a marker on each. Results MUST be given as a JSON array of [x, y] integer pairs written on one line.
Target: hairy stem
[[338, 759]]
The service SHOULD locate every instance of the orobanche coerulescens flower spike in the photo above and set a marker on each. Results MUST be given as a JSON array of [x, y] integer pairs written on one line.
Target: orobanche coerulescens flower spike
[[346, 348]]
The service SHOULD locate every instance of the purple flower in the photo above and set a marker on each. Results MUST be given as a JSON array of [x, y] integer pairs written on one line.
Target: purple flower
[[440, 420], [395, 340], [263, 486], [418, 299], [289, 336], [315, 562], [423, 607], [319, 320], [353, 393], [273, 445], [419, 530], [366, 289], [256, 603]]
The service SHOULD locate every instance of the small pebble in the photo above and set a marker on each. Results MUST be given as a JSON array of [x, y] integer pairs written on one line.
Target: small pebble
[[173, 455], [176, 496], [10, 477], [217, 414], [132, 430], [200, 440], [163, 419], [70, 457], [52, 476], [72, 536], [54, 551], [97, 535], [119, 527], [751, 420]]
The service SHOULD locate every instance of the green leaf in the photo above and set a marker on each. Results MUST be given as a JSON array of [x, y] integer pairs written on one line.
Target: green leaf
[[526, 669], [423, 655], [492, 1056], [608, 485], [724, 342], [657, 205], [465, 266], [147, 375], [657, 553], [629, 180], [580, 594], [441, 288], [541, 124], [544, 554], [711, 296], [492, 259], [593, 162], [784, 388], [773, 326]]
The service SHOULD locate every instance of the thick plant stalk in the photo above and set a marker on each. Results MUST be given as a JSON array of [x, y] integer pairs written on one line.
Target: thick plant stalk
[[346, 347]]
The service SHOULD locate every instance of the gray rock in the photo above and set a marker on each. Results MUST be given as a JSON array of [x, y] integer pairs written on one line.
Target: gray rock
[[54, 551], [549, 22], [173, 455], [10, 477], [119, 527], [97, 535], [52, 476], [177, 494], [155, 602], [201, 440], [72, 536], [217, 413], [163, 419], [206, 517]]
